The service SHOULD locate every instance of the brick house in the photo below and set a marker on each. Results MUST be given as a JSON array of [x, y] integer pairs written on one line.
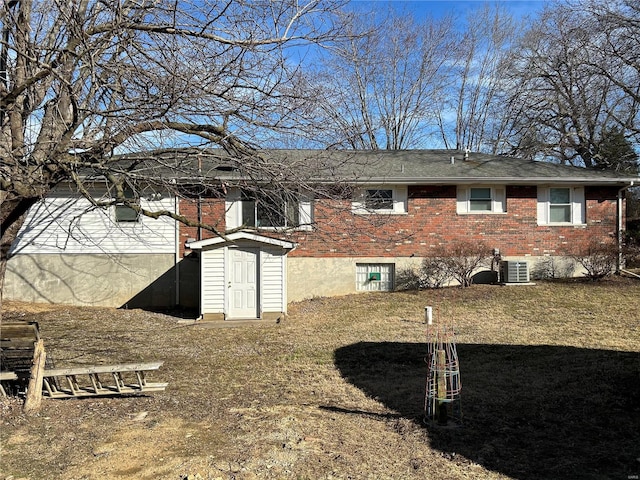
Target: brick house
[[354, 222]]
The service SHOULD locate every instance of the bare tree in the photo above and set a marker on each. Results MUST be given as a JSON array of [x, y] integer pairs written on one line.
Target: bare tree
[[615, 55], [477, 96], [81, 80], [382, 90], [562, 105]]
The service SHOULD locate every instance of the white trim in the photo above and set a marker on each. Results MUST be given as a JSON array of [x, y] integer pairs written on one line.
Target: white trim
[[234, 237], [399, 195], [498, 200], [233, 212], [577, 201]]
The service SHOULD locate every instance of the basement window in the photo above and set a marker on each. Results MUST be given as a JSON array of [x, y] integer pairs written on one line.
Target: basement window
[[374, 277]]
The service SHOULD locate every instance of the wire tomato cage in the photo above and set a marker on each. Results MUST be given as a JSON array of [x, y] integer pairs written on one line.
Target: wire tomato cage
[[442, 405]]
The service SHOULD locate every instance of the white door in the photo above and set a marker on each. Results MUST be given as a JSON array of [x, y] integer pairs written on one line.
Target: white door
[[243, 283]]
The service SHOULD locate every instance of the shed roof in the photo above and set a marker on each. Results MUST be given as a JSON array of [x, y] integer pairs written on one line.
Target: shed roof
[[238, 236]]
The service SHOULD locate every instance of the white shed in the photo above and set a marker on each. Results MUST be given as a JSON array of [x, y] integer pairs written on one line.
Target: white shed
[[243, 276]]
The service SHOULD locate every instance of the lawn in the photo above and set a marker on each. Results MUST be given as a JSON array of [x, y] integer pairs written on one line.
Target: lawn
[[550, 375]]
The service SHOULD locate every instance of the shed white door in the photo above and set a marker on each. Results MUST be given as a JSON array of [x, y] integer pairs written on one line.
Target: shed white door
[[243, 283]]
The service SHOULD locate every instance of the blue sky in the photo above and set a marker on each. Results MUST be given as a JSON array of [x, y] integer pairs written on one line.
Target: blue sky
[[518, 8]]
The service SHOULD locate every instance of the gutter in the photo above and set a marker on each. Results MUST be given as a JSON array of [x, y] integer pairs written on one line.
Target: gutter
[[619, 202], [364, 180]]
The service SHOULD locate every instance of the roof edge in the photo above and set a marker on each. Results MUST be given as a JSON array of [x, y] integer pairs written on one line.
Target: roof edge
[[238, 236]]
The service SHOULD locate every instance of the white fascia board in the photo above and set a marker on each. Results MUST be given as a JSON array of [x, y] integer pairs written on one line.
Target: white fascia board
[[237, 236], [498, 181]]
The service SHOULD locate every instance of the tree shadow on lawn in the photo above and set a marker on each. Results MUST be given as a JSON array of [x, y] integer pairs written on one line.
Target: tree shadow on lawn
[[529, 412]]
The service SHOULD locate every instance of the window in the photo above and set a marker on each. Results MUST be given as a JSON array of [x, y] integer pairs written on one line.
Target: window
[[378, 199], [259, 210], [267, 210], [559, 205], [481, 199], [125, 213], [374, 277], [389, 200]]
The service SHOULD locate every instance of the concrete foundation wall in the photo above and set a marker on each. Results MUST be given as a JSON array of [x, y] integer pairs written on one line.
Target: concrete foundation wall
[[326, 277], [143, 280]]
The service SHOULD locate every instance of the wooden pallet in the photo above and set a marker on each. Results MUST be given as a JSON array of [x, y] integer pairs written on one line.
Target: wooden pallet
[[126, 379], [16, 345], [6, 377]]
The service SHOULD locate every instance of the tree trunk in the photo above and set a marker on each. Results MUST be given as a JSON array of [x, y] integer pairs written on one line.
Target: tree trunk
[[13, 213]]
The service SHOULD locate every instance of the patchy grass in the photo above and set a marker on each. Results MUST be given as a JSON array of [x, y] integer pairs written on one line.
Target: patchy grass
[[550, 373]]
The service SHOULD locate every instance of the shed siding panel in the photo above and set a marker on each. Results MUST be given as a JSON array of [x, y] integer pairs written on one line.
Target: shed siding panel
[[65, 223], [213, 272], [272, 280]]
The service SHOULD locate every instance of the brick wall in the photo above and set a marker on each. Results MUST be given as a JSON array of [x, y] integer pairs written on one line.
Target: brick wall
[[212, 213], [431, 220]]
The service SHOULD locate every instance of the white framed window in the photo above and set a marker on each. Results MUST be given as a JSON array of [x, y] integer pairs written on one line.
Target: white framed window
[[374, 277], [288, 210], [125, 213], [561, 205], [481, 199], [381, 199]]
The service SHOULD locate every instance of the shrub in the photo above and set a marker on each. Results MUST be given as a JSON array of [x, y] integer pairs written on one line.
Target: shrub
[[462, 259], [550, 268], [597, 258], [454, 261], [431, 274]]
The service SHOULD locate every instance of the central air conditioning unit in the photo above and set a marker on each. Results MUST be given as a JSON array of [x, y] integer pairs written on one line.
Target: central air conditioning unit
[[514, 272]]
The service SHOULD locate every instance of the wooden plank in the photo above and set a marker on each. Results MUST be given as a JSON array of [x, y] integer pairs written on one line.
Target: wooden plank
[[108, 390], [33, 399], [6, 377], [130, 367], [27, 330], [25, 343]]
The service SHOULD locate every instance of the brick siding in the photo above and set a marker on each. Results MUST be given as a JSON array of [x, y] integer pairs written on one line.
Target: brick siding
[[431, 220]]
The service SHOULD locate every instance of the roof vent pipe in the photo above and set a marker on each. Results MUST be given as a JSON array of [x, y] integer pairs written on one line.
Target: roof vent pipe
[[466, 154], [453, 160]]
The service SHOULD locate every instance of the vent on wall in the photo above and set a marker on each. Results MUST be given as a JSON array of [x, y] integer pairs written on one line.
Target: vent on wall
[[514, 272]]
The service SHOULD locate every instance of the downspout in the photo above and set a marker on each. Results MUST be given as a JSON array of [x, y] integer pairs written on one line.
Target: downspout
[[620, 201], [177, 240], [199, 205]]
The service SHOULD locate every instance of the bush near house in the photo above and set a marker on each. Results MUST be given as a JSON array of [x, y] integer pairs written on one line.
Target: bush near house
[[599, 259], [455, 261]]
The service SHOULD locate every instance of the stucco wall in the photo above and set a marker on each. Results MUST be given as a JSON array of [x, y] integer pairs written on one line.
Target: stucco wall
[[325, 277], [145, 280]]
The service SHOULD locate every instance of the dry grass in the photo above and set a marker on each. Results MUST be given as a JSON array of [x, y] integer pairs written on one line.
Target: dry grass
[[551, 389]]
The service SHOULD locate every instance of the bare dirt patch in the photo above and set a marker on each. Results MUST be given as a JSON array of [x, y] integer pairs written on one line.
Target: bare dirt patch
[[551, 389]]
